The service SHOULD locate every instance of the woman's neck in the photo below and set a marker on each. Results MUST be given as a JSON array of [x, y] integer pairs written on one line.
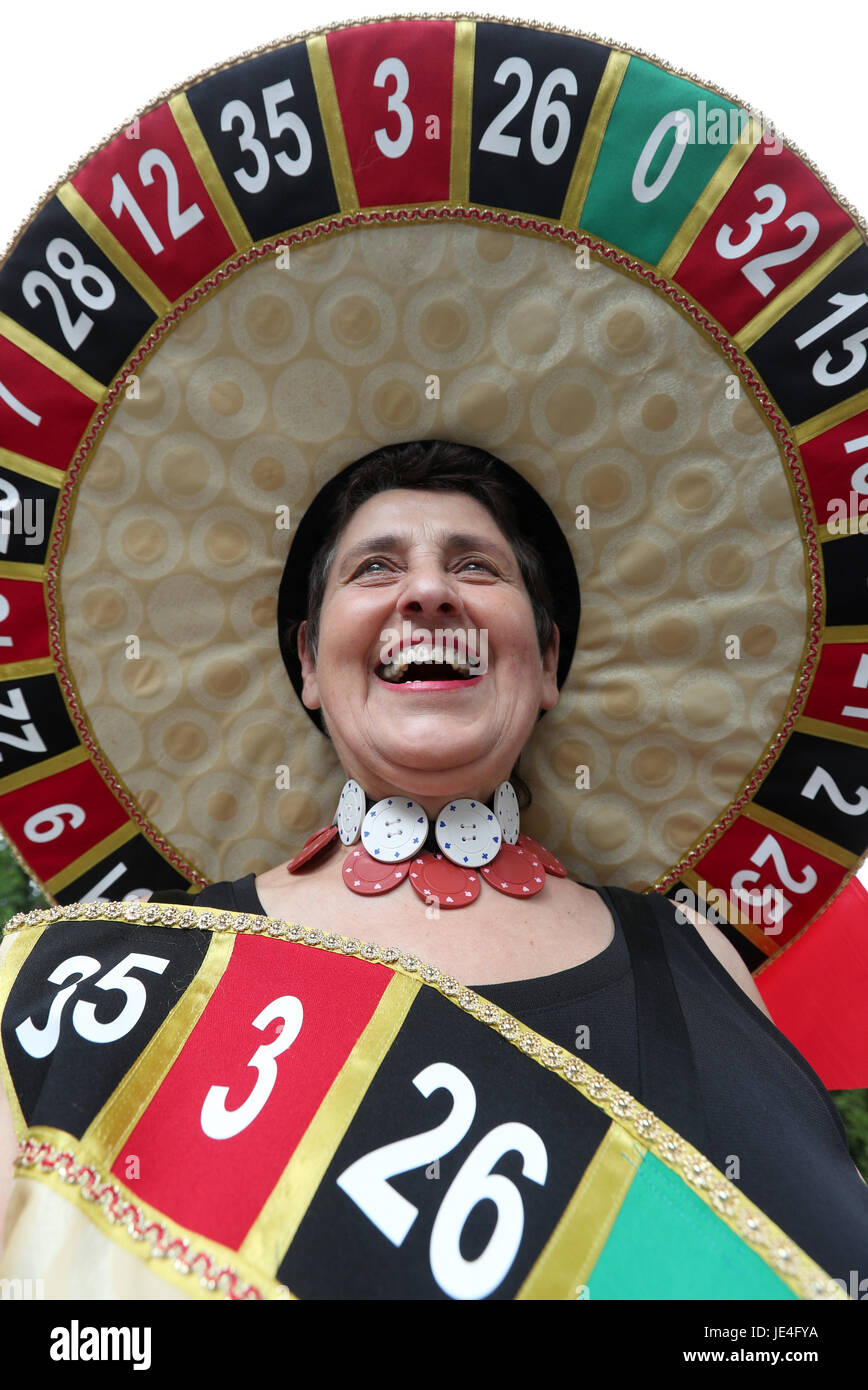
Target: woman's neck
[[431, 805]]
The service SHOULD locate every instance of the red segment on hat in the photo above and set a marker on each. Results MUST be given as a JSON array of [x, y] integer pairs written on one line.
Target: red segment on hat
[[549, 861], [369, 876], [436, 877], [312, 846], [516, 871]]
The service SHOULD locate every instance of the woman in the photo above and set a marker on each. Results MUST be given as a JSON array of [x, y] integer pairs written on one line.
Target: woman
[[418, 553], [433, 739]]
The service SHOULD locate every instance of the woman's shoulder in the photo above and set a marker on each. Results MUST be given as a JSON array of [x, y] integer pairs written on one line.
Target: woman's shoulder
[[232, 895], [681, 921]]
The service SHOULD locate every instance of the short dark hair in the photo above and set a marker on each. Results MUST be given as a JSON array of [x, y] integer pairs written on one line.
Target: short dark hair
[[435, 466]]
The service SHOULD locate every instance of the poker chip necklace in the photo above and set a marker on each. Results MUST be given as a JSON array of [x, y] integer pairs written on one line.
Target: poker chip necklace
[[393, 839]]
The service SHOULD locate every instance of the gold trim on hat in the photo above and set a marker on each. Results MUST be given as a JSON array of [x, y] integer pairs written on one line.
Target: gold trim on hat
[[333, 129], [797, 289], [206, 167], [462, 111], [770, 820], [715, 190], [92, 857], [31, 468], [49, 767], [52, 359], [112, 249], [592, 138]]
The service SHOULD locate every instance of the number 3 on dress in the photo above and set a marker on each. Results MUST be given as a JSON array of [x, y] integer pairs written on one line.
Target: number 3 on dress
[[218, 1121]]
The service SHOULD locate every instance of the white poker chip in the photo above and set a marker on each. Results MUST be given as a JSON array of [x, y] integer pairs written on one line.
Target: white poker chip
[[504, 803], [394, 829], [350, 812], [468, 833]]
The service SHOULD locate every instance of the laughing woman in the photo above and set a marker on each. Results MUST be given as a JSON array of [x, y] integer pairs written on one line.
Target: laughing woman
[[415, 553]]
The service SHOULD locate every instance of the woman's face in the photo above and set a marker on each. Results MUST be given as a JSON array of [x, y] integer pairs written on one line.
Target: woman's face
[[416, 562]]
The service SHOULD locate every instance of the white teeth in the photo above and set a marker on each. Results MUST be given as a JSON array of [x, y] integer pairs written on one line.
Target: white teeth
[[422, 655]]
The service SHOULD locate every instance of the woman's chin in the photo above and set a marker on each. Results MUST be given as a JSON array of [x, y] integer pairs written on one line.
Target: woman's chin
[[434, 746]]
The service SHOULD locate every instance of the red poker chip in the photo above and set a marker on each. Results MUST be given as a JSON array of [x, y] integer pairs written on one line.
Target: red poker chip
[[369, 876], [549, 861], [516, 871], [312, 847], [436, 877]]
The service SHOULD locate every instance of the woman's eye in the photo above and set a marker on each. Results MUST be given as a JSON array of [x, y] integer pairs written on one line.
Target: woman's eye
[[482, 564], [365, 567]]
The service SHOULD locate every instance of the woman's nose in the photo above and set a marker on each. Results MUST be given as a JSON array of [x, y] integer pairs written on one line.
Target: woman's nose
[[428, 588]]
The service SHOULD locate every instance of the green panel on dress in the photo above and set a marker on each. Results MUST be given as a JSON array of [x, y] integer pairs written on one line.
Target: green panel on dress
[[660, 1247], [646, 96]]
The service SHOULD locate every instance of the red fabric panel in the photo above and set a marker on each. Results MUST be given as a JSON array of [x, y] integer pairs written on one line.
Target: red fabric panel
[[835, 462], [417, 87], [817, 991], [61, 412], [23, 624], [190, 235], [771, 861], [217, 1186], [718, 281], [86, 812]]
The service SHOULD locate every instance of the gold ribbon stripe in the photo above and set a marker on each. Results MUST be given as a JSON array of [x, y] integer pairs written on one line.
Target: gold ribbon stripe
[[574, 1246], [107, 1133], [802, 285], [835, 635], [210, 175], [592, 140], [93, 857], [274, 1229], [37, 771], [29, 468], [53, 360], [111, 248], [20, 670], [770, 820], [330, 116], [838, 733], [462, 111], [10, 569], [828, 419], [849, 527], [718, 185]]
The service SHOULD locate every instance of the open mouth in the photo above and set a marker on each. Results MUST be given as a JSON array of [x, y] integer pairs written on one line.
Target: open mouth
[[426, 664]]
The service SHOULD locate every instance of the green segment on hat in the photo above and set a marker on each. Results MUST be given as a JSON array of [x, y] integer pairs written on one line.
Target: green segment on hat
[[635, 154]]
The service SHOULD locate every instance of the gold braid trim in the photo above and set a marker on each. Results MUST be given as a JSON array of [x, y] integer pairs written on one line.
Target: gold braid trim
[[140, 1229]]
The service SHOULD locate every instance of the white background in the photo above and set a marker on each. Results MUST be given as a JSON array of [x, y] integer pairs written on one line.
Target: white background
[[72, 73]]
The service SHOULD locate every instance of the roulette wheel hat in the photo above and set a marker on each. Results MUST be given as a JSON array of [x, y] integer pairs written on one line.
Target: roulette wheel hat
[[514, 238]]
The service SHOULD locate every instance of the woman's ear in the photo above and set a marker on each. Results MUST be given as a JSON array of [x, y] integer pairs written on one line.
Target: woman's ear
[[309, 684], [550, 694]]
